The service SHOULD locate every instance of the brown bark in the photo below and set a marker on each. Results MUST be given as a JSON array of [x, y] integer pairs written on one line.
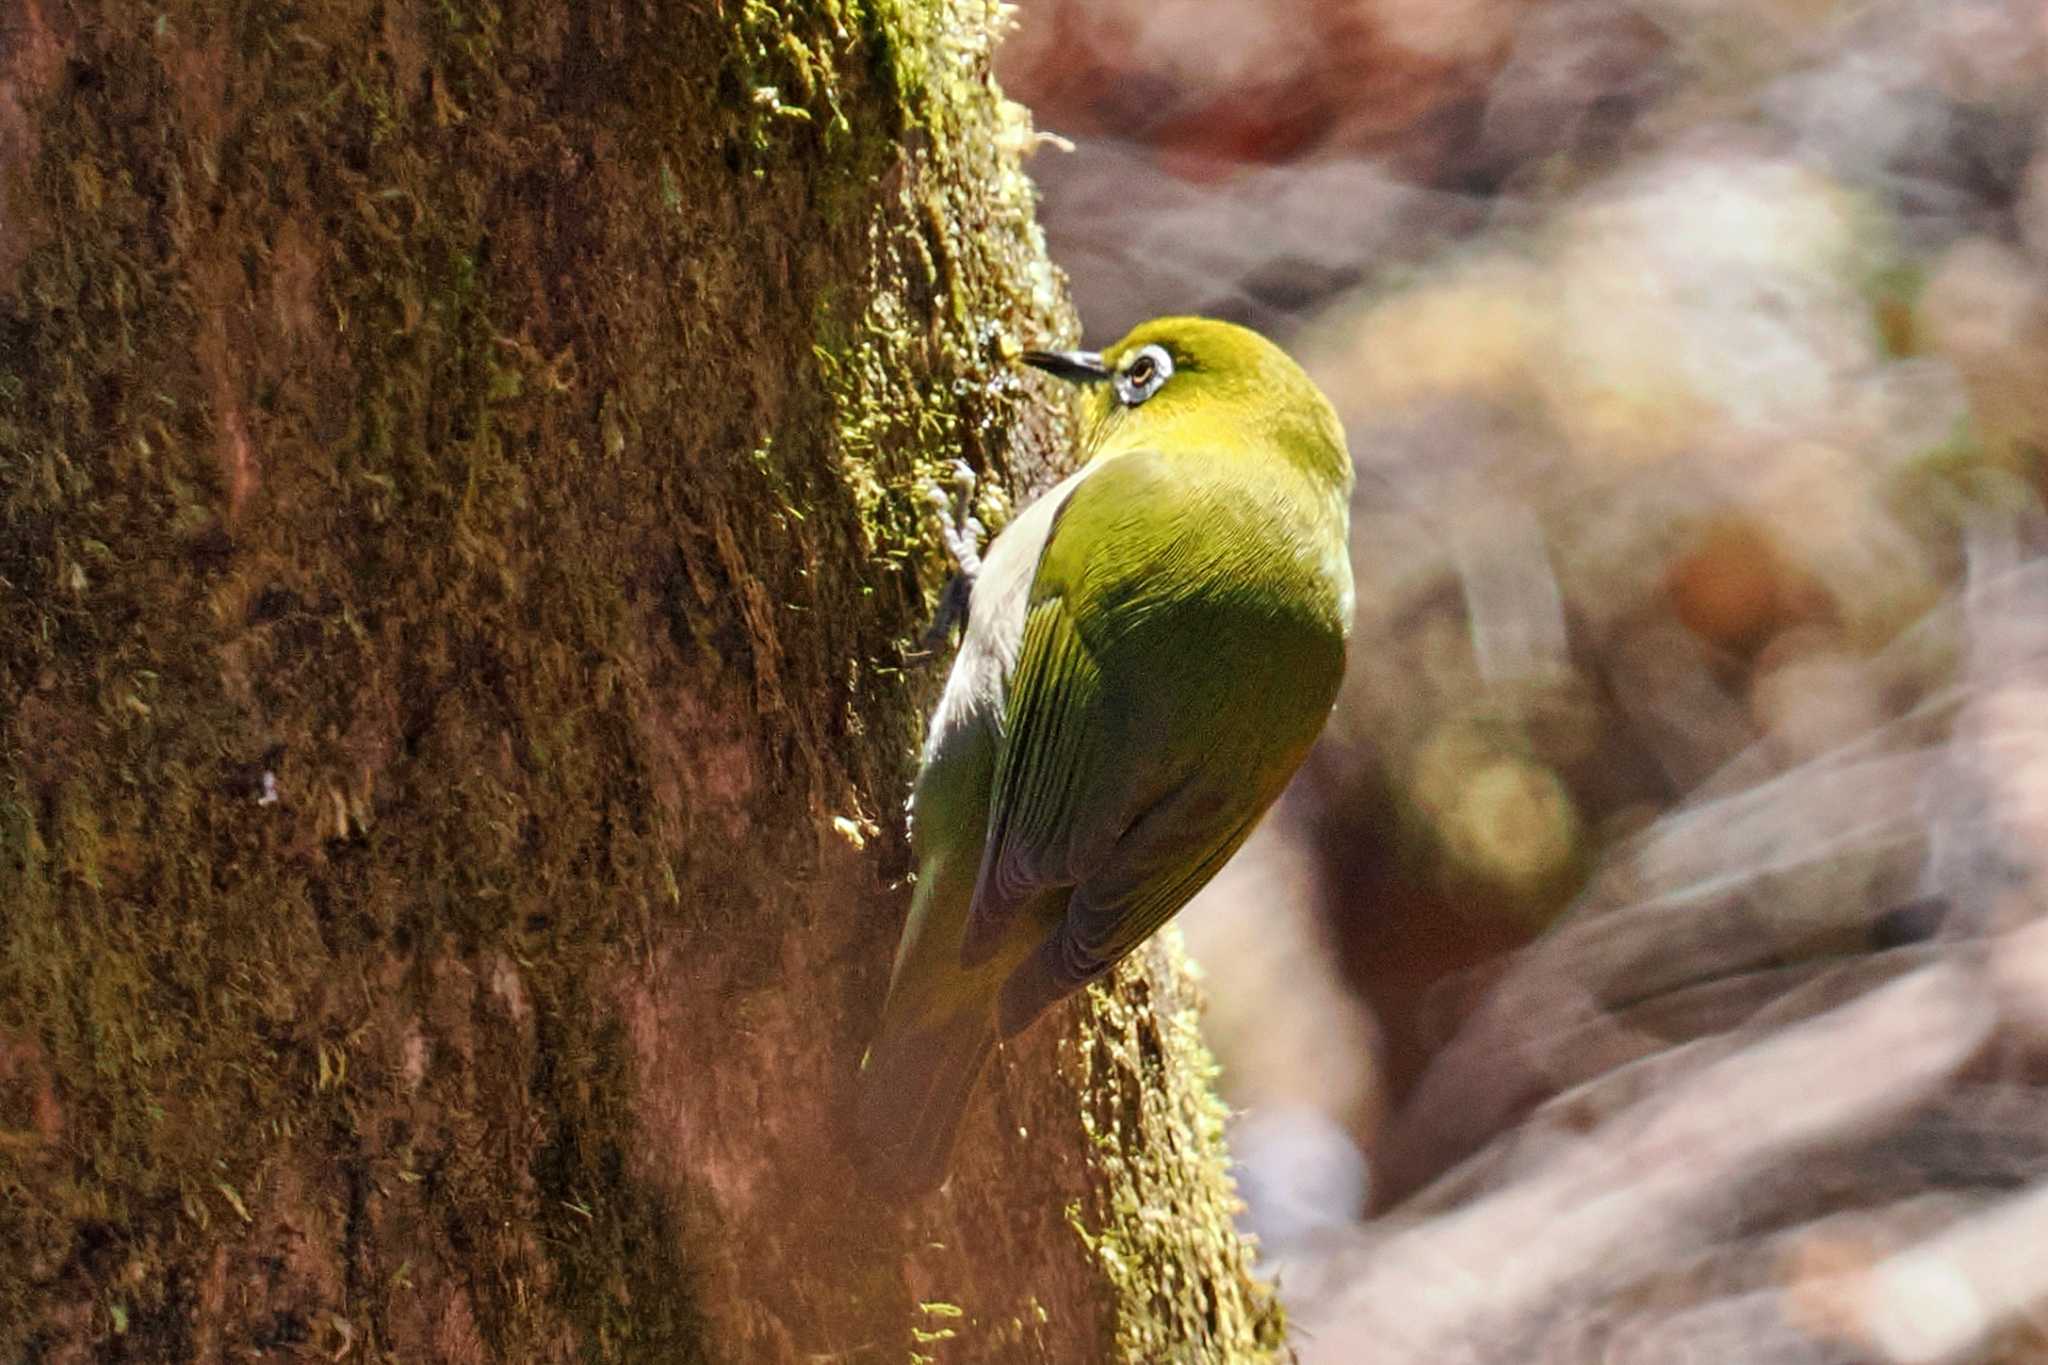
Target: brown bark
[[461, 496]]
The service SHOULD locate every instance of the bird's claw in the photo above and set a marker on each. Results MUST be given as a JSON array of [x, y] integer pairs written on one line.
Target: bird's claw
[[957, 523], [962, 533]]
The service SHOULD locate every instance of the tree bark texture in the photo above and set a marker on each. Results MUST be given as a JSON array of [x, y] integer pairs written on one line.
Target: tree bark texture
[[461, 528]]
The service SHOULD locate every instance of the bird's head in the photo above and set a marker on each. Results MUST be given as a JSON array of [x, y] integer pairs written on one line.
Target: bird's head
[[1199, 384]]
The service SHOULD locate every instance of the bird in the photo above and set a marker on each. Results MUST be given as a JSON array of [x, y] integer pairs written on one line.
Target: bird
[[1150, 649]]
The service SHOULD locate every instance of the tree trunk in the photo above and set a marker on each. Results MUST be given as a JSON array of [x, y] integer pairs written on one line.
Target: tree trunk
[[461, 528]]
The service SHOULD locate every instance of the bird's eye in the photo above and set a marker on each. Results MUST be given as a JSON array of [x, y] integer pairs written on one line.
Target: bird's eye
[[1141, 378]]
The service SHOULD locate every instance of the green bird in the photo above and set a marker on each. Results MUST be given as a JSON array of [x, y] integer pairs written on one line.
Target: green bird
[[1150, 649]]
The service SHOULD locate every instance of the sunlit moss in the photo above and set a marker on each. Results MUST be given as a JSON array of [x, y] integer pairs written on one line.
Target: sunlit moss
[[1162, 1233], [384, 437]]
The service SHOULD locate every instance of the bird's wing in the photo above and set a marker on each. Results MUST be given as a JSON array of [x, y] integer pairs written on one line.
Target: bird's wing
[[1050, 755], [1096, 786], [1159, 864], [1155, 870]]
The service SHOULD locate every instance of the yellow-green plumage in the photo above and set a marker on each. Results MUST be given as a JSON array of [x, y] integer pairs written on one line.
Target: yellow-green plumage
[[1151, 648]]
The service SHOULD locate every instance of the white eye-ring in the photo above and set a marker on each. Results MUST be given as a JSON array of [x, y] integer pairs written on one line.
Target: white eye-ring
[[1142, 375]]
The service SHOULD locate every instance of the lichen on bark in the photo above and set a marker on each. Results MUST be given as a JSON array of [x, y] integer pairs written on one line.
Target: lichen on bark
[[461, 515]]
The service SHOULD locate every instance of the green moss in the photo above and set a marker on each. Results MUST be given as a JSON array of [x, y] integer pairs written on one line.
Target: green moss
[[389, 403], [1161, 1228], [412, 598]]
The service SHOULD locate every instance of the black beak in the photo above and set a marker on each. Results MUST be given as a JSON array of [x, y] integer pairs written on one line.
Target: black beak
[[1077, 367]]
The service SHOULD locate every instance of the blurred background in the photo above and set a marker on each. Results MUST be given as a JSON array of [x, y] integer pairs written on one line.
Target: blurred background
[[1650, 964]]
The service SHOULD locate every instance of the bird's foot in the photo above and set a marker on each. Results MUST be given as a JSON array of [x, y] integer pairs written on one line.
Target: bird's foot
[[962, 533], [957, 523]]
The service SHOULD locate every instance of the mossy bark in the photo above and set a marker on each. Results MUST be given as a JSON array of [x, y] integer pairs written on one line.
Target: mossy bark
[[461, 524]]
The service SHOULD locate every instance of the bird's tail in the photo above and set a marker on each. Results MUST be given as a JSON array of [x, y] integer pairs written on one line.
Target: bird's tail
[[914, 1086]]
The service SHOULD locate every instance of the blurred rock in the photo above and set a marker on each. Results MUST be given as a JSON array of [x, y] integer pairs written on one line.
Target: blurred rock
[[1923, 106], [1693, 356], [2012, 730], [1812, 696], [1679, 711], [1986, 308], [1298, 1171], [1501, 818], [1195, 75], [1473, 332], [2020, 976], [1287, 1031], [1853, 562], [1577, 73], [1708, 292], [1733, 588], [1982, 300], [1986, 52], [2032, 209], [1136, 239]]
